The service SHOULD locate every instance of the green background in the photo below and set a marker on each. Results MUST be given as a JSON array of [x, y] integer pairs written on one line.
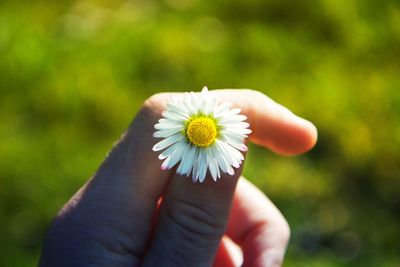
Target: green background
[[74, 73]]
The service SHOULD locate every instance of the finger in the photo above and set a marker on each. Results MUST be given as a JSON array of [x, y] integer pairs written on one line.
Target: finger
[[274, 126], [258, 227], [192, 221]]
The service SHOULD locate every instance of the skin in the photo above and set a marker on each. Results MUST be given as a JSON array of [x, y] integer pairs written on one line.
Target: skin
[[131, 213]]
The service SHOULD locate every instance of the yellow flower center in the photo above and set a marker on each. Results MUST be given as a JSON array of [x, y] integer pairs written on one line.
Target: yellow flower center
[[201, 131]]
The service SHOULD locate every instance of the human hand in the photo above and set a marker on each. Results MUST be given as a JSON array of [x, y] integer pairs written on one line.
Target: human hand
[[118, 219]]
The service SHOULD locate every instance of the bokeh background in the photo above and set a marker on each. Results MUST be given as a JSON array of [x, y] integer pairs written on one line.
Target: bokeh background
[[74, 73]]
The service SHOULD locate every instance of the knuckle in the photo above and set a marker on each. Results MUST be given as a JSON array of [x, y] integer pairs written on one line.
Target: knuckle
[[195, 221], [256, 94], [154, 101], [260, 96], [154, 105]]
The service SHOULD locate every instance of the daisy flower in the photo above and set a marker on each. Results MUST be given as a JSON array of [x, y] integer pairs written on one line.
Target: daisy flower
[[202, 134]]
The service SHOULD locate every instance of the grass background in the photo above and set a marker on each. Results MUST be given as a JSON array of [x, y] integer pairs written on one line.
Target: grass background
[[73, 74]]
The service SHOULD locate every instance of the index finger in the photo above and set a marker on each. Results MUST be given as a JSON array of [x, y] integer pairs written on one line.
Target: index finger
[[274, 126]]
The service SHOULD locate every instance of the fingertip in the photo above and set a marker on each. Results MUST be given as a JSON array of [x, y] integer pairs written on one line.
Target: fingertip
[[306, 135], [313, 135], [293, 136], [310, 135], [273, 125]]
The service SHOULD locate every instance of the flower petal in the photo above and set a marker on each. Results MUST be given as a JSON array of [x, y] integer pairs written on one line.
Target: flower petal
[[195, 171], [212, 164], [235, 124], [175, 157], [167, 132], [229, 118], [184, 159], [221, 109], [167, 125], [167, 142], [188, 160], [174, 116], [244, 131], [202, 165], [168, 152]]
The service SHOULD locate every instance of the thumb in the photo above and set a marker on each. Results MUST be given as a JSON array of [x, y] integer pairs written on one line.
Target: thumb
[[193, 219]]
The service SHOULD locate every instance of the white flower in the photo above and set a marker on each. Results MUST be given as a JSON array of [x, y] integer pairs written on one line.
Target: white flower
[[201, 134]]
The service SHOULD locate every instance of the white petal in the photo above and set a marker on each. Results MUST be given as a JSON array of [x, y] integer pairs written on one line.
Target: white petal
[[164, 120], [174, 116], [174, 158], [232, 155], [177, 106], [189, 106], [218, 172], [166, 153], [234, 111], [167, 142], [214, 152], [204, 94], [165, 163], [239, 146], [229, 118], [237, 137], [233, 162], [221, 109], [237, 131], [167, 132], [195, 171], [212, 164], [182, 112], [202, 165], [222, 163], [184, 158], [223, 159], [195, 101], [225, 151], [174, 112], [234, 141], [235, 124], [188, 160], [167, 125], [231, 171], [211, 103], [234, 151]]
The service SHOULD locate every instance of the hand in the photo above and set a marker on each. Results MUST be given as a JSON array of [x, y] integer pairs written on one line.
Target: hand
[[118, 219]]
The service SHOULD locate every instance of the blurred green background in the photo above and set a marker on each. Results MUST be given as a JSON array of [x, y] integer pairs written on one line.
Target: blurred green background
[[74, 73]]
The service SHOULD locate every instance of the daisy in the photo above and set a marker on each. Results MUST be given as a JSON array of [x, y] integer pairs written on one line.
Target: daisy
[[202, 135]]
